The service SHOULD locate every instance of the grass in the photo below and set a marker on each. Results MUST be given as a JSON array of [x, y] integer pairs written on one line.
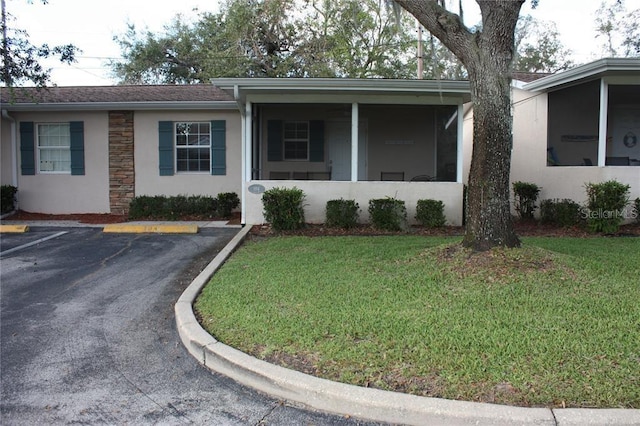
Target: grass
[[556, 323]]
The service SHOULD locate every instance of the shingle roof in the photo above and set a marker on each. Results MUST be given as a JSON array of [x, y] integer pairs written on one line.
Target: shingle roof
[[528, 77], [115, 94]]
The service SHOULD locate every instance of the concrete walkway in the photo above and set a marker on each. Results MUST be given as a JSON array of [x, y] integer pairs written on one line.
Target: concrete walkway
[[364, 403]]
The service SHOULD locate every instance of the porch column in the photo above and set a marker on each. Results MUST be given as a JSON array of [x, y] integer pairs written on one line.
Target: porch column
[[602, 131], [354, 142], [459, 142], [247, 142], [246, 124]]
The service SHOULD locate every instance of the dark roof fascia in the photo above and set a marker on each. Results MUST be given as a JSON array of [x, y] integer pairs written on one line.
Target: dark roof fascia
[[119, 106], [586, 72]]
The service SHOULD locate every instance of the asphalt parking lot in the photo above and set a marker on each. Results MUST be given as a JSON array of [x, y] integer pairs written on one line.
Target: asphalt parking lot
[[88, 334]]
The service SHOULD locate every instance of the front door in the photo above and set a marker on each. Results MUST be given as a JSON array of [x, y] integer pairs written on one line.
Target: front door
[[339, 138]]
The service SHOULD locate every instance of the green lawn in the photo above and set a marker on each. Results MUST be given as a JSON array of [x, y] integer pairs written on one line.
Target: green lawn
[[555, 323]]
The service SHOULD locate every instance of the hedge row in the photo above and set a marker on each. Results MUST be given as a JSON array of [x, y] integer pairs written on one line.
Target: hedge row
[[161, 207], [283, 208], [606, 208]]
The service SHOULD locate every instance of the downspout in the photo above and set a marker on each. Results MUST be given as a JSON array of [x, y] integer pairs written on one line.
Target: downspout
[[14, 148]]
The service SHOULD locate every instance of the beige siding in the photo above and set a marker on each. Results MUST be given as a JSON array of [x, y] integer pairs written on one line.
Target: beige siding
[[148, 179], [63, 193]]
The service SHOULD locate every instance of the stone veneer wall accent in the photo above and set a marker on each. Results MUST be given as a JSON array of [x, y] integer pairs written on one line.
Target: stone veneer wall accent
[[121, 161]]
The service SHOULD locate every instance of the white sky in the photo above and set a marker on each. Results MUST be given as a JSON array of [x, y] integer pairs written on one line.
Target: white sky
[[92, 24]]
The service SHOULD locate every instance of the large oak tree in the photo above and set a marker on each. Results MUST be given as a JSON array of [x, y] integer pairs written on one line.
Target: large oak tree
[[487, 54]]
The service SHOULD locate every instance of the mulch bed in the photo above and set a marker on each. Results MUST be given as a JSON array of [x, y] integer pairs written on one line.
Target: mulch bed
[[82, 218], [523, 228]]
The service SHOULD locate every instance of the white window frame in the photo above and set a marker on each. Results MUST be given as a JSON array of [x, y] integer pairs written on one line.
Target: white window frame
[[187, 146], [295, 139], [40, 148]]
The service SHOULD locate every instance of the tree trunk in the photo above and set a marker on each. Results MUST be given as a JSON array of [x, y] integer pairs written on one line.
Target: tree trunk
[[488, 212], [487, 54]]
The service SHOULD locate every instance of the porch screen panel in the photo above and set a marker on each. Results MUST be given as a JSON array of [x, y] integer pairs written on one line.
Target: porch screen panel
[[316, 141], [274, 140], [573, 125], [446, 143]]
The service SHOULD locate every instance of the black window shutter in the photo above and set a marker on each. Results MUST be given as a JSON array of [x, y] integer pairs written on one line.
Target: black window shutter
[[218, 148], [27, 148], [76, 129], [165, 147], [274, 140], [316, 140]]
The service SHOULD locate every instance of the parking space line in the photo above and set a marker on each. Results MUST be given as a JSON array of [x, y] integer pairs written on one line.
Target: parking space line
[[33, 243]]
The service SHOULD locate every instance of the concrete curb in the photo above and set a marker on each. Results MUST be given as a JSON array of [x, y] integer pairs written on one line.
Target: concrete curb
[[363, 403], [13, 229], [151, 229]]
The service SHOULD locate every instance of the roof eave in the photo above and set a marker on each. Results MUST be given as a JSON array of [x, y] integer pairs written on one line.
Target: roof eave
[[343, 85], [583, 72]]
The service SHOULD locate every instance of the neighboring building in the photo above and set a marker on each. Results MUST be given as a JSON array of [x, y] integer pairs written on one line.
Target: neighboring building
[[579, 126], [92, 149]]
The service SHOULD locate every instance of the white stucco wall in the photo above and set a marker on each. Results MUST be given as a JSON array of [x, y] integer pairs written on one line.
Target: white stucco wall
[[63, 193], [529, 154], [148, 179], [318, 193]]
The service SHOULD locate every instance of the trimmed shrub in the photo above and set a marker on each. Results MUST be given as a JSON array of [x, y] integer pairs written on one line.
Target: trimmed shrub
[[606, 202], [202, 206], [388, 214], [283, 208], [177, 206], [565, 213], [525, 195], [342, 213], [181, 206], [430, 213], [226, 202], [7, 198], [146, 206]]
